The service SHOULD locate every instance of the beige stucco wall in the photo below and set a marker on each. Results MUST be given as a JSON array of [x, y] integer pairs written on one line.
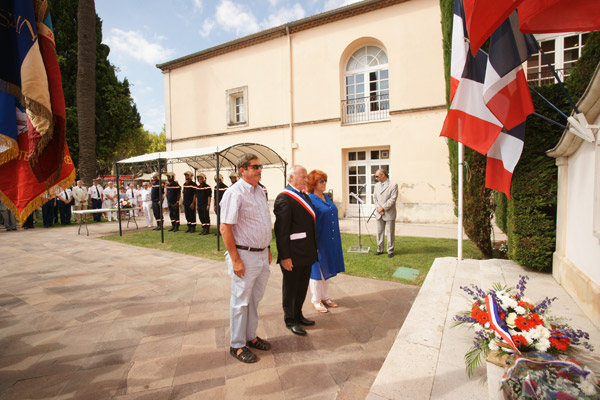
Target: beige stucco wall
[[299, 79]]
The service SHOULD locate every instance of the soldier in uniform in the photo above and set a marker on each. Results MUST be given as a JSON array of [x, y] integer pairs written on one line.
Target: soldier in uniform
[[189, 201], [173, 193], [203, 196], [155, 196], [219, 191]]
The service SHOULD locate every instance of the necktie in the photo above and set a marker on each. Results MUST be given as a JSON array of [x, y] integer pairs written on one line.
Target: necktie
[[97, 192], [66, 195]]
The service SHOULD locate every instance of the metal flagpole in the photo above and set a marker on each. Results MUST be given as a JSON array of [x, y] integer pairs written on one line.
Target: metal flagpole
[[460, 200]]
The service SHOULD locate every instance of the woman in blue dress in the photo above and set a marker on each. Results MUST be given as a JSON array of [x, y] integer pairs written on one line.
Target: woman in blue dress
[[329, 241]]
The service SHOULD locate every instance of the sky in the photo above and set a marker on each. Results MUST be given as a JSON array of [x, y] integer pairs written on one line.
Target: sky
[[143, 33]]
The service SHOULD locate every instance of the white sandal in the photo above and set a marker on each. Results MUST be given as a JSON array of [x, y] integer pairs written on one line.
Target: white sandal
[[320, 307]]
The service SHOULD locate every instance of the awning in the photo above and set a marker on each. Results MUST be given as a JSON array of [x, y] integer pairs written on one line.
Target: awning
[[205, 158]]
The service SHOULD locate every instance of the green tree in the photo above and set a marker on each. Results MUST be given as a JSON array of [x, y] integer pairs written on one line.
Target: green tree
[[117, 121], [477, 204]]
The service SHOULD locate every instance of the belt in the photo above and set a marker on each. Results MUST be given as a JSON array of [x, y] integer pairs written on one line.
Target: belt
[[249, 248]]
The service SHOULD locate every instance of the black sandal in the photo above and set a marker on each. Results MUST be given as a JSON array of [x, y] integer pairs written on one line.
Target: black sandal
[[245, 356], [259, 344]]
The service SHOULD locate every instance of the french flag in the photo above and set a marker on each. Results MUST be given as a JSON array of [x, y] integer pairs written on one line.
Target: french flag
[[503, 158], [460, 48], [505, 90], [469, 121]]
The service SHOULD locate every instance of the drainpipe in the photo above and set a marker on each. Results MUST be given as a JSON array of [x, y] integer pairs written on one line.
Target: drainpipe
[[292, 142]]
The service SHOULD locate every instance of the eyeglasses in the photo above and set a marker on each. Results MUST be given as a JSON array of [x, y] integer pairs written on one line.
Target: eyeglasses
[[322, 181], [255, 166]]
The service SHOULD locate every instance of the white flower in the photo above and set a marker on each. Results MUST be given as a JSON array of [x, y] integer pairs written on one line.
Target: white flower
[[542, 345], [542, 332], [527, 337], [587, 388], [526, 300], [487, 325], [520, 310], [512, 332], [510, 319], [493, 345]]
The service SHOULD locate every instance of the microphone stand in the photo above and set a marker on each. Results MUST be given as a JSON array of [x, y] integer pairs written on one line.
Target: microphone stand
[[360, 248]]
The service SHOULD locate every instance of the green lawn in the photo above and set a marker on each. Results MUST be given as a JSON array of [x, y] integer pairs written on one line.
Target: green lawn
[[411, 252]]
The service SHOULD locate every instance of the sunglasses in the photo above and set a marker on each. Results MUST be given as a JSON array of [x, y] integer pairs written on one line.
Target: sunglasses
[[255, 166], [322, 181]]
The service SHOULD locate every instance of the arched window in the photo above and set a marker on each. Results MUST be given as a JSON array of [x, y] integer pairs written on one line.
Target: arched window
[[367, 86]]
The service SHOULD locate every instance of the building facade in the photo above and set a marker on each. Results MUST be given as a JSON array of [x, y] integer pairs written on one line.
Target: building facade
[[347, 91]]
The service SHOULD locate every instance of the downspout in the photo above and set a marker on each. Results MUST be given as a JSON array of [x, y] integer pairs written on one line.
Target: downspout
[[291, 83], [168, 130]]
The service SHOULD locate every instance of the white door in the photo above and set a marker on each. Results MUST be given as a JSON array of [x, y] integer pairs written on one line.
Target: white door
[[362, 165]]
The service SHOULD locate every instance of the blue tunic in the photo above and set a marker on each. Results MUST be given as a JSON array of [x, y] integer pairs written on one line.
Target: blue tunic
[[329, 241]]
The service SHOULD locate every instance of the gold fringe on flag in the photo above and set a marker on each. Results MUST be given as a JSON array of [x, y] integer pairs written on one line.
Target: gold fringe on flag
[[13, 149], [40, 199]]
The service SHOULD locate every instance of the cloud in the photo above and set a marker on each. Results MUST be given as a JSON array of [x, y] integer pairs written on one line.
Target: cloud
[[198, 4], [134, 44], [284, 15], [332, 4], [235, 17], [207, 27]]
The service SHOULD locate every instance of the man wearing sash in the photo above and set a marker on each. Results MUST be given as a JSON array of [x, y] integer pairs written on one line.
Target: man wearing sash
[[296, 234]]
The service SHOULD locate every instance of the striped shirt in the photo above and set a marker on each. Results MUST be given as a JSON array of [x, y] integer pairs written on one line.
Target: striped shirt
[[244, 207]]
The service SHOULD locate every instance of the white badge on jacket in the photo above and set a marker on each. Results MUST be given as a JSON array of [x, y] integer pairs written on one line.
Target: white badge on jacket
[[296, 236]]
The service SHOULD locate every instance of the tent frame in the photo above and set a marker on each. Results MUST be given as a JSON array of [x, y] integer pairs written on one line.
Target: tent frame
[[204, 159]]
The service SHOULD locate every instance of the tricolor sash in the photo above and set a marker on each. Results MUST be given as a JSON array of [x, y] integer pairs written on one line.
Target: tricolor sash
[[492, 311], [300, 200]]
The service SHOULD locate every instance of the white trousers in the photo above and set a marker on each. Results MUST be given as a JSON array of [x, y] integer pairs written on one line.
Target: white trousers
[[147, 208], [318, 288], [390, 231], [110, 214], [246, 293]]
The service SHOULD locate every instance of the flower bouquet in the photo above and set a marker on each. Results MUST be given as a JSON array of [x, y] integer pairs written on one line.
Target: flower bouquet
[[542, 376], [126, 203], [507, 322]]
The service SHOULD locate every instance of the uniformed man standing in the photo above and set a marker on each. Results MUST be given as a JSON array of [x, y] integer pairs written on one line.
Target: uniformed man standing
[[173, 193], [203, 197], [219, 191], [233, 177], [189, 201], [155, 196]]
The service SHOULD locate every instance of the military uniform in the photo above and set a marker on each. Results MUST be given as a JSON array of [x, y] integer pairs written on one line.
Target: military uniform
[[203, 195], [189, 198], [156, 202], [173, 192]]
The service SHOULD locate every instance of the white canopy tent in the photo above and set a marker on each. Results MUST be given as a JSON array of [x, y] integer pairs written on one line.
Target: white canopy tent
[[204, 159]]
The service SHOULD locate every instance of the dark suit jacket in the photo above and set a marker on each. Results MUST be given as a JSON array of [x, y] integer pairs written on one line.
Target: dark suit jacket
[[292, 221]]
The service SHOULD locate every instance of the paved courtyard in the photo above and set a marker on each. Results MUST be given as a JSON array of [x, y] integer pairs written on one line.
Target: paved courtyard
[[85, 318]]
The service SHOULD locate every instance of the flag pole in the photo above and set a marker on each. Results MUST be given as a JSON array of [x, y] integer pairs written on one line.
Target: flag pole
[[460, 200]]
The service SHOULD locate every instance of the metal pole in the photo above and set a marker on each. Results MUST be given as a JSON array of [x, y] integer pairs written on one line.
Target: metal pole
[[118, 200], [160, 201], [217, 199], [460, 200]]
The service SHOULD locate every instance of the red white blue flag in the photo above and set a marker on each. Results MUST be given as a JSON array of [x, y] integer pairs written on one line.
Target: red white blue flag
[[503, 158]]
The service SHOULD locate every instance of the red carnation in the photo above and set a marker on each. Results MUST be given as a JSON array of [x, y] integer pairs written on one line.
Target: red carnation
[[536, 319], [523, 323], [525, 304], [560, 344], [482, 318], [519, 340]]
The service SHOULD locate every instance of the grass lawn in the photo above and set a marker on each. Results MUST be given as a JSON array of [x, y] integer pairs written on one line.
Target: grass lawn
[[412, 252]]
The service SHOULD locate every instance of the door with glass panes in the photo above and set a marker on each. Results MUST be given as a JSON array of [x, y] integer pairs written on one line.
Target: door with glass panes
[[362, 165]]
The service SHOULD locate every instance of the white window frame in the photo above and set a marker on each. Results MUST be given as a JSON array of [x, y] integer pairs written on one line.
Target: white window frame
[[237, 115], [596, 215], [559, 57], [375, 103]]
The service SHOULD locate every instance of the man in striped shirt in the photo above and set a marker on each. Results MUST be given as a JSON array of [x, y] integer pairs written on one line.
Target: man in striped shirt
[[246, 230]]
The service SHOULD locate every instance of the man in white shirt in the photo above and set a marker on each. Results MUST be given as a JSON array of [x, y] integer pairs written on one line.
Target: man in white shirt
[[64, 199], [246, 230], [80, 194], [132, 196], [147, 204], [95, 193], [110, 200]]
